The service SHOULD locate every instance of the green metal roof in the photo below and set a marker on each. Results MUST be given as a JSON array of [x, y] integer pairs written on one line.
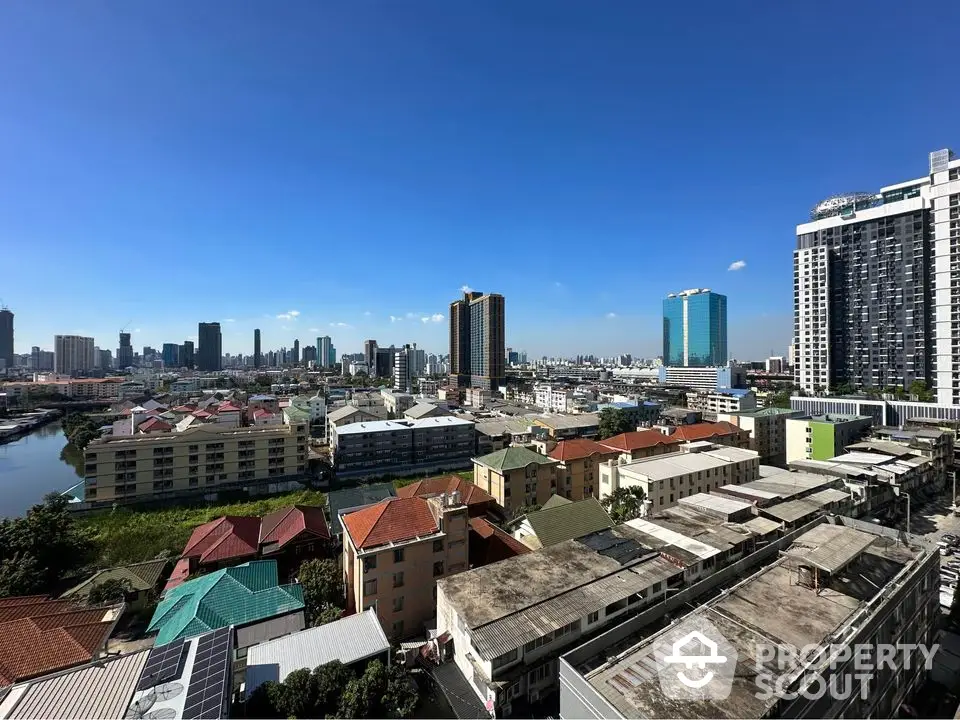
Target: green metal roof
[[234, 596], [555, 501], [512, 458], [296, 413], [141, 576], [566, 522]]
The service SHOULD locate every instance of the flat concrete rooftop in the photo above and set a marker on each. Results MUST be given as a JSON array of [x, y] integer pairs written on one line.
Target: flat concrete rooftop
[[767, 608]]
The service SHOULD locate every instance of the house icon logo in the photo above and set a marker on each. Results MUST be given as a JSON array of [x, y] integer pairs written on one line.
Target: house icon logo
[[695, 662]]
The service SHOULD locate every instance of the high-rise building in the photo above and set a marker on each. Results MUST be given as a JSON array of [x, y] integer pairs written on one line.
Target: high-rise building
[[309, 354], [125, 352], [257, 357], [370, 355], [295, 356], [171, 355], [478, 340], [210, 350], [72, 354], [873, 287], [695, 329], [104, 359], [6, 338], [326, 356], [186, 354], [402, 365]]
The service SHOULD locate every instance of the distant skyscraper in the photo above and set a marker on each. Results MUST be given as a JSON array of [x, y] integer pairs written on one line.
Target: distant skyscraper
[[105, 359], [325, 352], [6, 338], [125, 352], [370, 355], [210, 351], [257, 357], [186, 354], [695, 329], [402, 367], [478, 340], [171, 355], [296, 351], [72, 354]]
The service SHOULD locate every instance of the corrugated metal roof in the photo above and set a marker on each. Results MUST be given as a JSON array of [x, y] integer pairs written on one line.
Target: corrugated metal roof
[[830, 547], [567, 521], [517, 629], [761, 525], [261, 632], [348, 640], [792, 510], [90, 692]]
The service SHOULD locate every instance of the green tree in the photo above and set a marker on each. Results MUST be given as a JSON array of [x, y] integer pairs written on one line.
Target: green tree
[[400, 697], [329, 681], [323, 593], [919, 388], [265, 701], [111, 590], [614, 421], [624, 503], [361, 696], [41, 549]]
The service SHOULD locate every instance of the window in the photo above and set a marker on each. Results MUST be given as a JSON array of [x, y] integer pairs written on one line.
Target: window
[[370, 563], [398, 604], [438, 546], [539, 675], [398, 579], [370, 587], [398, 555], [593, 617], [438, 568], [504, 659], [398, 627]]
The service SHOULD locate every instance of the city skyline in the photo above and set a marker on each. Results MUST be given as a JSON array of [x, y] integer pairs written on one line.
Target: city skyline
[[559, 166]]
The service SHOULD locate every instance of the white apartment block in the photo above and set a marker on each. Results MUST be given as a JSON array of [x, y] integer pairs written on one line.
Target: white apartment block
[[72, 354], [551, 399], [712, 403], [945, 206], [698, 467]]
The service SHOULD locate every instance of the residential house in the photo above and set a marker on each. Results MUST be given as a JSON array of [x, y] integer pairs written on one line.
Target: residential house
[[39, 635], [142, 580], [767, 428], [516, 477], [351, 414], [236, 596], [559, 522], [641, 443], [479, 502], [396, 550], [424, 410], [579, 460]]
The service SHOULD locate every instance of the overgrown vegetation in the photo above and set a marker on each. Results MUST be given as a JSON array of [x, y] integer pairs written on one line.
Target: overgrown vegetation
[[401, 482], [122, 536], [333, 690], [323, 595], [80, 429], [613, 421], [43, 550], [624, 503]]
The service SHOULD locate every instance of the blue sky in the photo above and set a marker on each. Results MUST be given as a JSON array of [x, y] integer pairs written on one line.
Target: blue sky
[[165, 163]]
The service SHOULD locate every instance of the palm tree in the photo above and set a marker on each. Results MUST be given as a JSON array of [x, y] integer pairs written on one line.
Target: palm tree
[[624, 503]]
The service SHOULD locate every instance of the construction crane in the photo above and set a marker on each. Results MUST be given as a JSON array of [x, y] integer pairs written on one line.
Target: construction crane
[[126, 325]]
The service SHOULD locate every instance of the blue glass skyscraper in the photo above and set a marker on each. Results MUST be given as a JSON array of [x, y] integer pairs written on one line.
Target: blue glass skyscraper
[[695, 329]]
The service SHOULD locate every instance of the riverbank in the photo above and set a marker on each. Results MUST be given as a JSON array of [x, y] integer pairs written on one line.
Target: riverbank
[[34, 465], [124, 536], [15, 427]]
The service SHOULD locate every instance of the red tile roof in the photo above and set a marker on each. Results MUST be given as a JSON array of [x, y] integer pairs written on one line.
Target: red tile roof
[[51, 636], [391, 520], [227, 407], [202, 414], [578, 449], [470, 494], [489, 544], [284, 525], [262, 413], [223, 539], [639, 439], [181, 571], [189, 408], [705, 430], [154, 425]]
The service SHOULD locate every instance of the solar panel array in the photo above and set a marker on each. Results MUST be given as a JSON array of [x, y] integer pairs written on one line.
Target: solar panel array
[[164, 664], [210, 680]]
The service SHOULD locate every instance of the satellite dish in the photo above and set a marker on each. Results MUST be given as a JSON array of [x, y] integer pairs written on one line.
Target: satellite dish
[[139, 708], [162, 714], [168, 691]]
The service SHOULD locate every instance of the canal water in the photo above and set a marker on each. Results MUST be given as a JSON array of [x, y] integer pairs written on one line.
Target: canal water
[[37, 464]]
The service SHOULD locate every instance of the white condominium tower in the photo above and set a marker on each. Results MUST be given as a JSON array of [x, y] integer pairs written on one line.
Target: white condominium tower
[[877, 287]]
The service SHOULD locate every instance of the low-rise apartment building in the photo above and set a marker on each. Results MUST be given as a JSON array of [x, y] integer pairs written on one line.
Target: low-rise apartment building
[[516, 477], [388, 448], [640, 413], [721, 401], [837, 586], [564, 427], [821, 437], [349, 414], [642, 443], [394, 553], [767, 428], [698, 467], [552, 399], [579, 460], [203, 459]]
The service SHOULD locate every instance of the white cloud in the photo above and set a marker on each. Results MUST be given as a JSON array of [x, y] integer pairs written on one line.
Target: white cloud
[[466, 289], [436, 317], [737, 265], [288, 315], [230, 320], [137, 330], [394, 318], [611, 315], [313, 329], [367, 313], [412, 315], [557, 284], [293, 313], [340, 325]]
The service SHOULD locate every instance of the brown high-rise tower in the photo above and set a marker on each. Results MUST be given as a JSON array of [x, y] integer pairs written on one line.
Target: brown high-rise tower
[[478, 341]]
